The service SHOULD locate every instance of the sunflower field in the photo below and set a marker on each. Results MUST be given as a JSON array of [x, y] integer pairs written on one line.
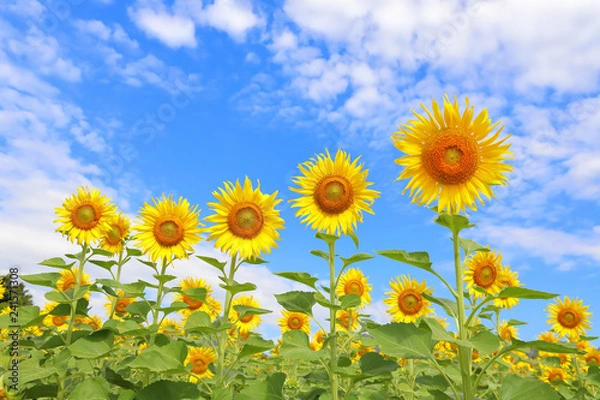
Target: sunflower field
[[194, 346]]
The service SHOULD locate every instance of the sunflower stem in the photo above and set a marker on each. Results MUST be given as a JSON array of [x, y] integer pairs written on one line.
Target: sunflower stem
[[223, 335], [118, 279], [75, 290], [333, 342]]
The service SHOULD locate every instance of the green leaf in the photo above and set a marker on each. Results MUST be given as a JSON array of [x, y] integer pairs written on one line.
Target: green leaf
[[323, 301], [403, 340], [161, 359], [419, 259], [56, 262], [350, 301], [47, 279], [107, 265], [485, 342], [95, 388], [297, 301], [220, 265], [523, 293], [320, 253], [448, 305], [239, 287], [195, 293], [435, 382], [140, 308], [454, 222], [469, 246], [354, 238], [58, 297], [197, 321], [547, 346], [375, 364], [169, 390], [295, 345], [30, 370], [95, 345], [355, 258], [101, 252], [255, 261], [41, 391], [133, 252], [515, 387], [329, 239], [255, 345], [222, 394], [248, 310], [117, 379], [269, 389], [164, 278], [514, 322], [301, 277]]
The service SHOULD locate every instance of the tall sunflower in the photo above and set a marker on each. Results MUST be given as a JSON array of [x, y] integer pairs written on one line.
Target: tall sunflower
[[354, 282], [406, 301], [452, 157], [210, 305], [569, 317], [291, 321], [113, 239], [334, 193], [245, 220], [84, 216], [168, 229], [200, 358], [484, 270], [248, 322]]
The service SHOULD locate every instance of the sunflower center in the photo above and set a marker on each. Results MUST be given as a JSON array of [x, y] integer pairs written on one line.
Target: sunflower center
[[592, 358], [450, 156], [246, 318], [85, 216], [506, 335], [485, 276], [568, 318], [354, 287], [334, 194], [121, 306], [192, 303], [410, 302], [245, 220], [58, 320], [295, 323], [200, 366], [113, 236], [555, 376], [168, 230]]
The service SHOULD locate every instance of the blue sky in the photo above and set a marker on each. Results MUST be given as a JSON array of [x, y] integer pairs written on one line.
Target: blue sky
[[147, 97]]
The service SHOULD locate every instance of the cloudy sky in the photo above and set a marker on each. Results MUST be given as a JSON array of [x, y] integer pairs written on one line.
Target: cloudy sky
[[146, 97]]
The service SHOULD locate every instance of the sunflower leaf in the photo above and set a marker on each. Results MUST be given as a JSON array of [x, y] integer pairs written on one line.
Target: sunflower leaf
[[419, 259], [485, 342], [269, 389], [323, 301], [523, 293], [470, 246], [320, 253], [195, 293], [515, 387], [402, 340], [255, 344], [354, 239], [101, 252], [297, 301], [454, 222], [56, 262], [546, 346], [236, 287], [514, 322], [243, 310], [164, 278], [375, 364], [295, 345], [220, 265], [448, 305], [167, 389], [255, 260], [355, 258], [350, 301], [132, 252], [329, 239], [47, 279], [107, 265], [301, 277]]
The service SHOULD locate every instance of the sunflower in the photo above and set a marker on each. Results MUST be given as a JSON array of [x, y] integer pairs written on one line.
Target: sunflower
[[507, 332], [334, 193], [84, 216], [248, 322], [569, 317], [451, 157], [484, 270], [200, 358], [407, 301], [294, 321], [168, 229], [508, 278], [348, 319], [318, 339], [210, 305], [354, 282], [170, 327], [2, 289], [93, 321], [113, 239], [58, 322], [553, 375], [68, 279], [549, 337], [120, 306], [592, 356]]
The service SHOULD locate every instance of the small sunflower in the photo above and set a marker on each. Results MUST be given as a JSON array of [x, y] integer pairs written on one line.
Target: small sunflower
[[58, 322], [592, 356], [548, 336], [407, 301], [484, 269], [210, 305], [120, 306], [318, 339], [348, 319], [569, 317], [334, 193], [245, 220], [170, 327], [248, 322], [508, 278], [168, 229], [354, 282], [554, 375], [452, 157], [200, 358], [294, 321], [508, 332], [68, 278], [84, 216], [113, 239], [2, 289]]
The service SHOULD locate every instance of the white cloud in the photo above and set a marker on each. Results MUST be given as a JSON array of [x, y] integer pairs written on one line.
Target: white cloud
[[232, 16], [173, 30]]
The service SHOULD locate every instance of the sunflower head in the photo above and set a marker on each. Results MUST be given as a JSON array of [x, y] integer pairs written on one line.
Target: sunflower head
[[348, 319], [58, 322], [484, 270], [592, 356], [451, 156], [68, 279], [168, 229], [119, 303], [334, 193], [209, 305], [406, 300], [507, 332], [84, 216], [200, 358], [248, 322], [354, 282], [291, 321], [554, 375], [569, 317], [508, 278], [245, 221], [114, 238]]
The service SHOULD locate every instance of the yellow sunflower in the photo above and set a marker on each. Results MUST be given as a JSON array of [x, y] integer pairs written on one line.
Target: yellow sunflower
[[348, 320], [113, 239], [569, 317], [508, 278], [334, 193], [354, 282], [120, 306], [549, 337], [318, 339], [484, 269], [68, 278], [245, 220], [592, 356], [2, 289], [248, 322], [84, 216], [452, 157], [200, 358], [170, 327], [58, 322], [507, 332], [210, 305], [407, 301], [554, 375], [294, 321], [168, 229]]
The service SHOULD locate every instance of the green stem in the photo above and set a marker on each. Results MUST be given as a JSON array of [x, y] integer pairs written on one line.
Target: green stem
[[223, 336], [118, 279], [450, 383], [159, 296], [75, 290], [333, 342]]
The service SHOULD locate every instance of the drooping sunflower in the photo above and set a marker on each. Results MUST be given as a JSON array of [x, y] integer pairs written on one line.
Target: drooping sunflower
[[334, 193], [248, 322], [200, 358], [113, 239], [452, 157], [210, 305], [507, 332], [508, 278], [406, 301], [68, 278], [294, 321], [354, 282], [245, 220], [168, 229], [484, 269], [84, 216], [569, 317]]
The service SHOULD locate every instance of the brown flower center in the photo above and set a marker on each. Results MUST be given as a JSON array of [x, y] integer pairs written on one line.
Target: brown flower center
[[410, 302], [568, 318], [85, 216], [334, 194], [245, 220], [113, 236], [450, 156], [485, 276], [192, 303], [199, 366], [354, 287], [294, 322], [168, 230]]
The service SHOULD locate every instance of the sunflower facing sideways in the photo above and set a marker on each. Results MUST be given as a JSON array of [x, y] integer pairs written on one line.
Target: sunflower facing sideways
[[569, 317], [68, 279], [245, 220], [113, 239], [334, 193], [452, 157], [407, 301], [84, 216], [200, 358], [248, 322], [354, 282], [168, 229]]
